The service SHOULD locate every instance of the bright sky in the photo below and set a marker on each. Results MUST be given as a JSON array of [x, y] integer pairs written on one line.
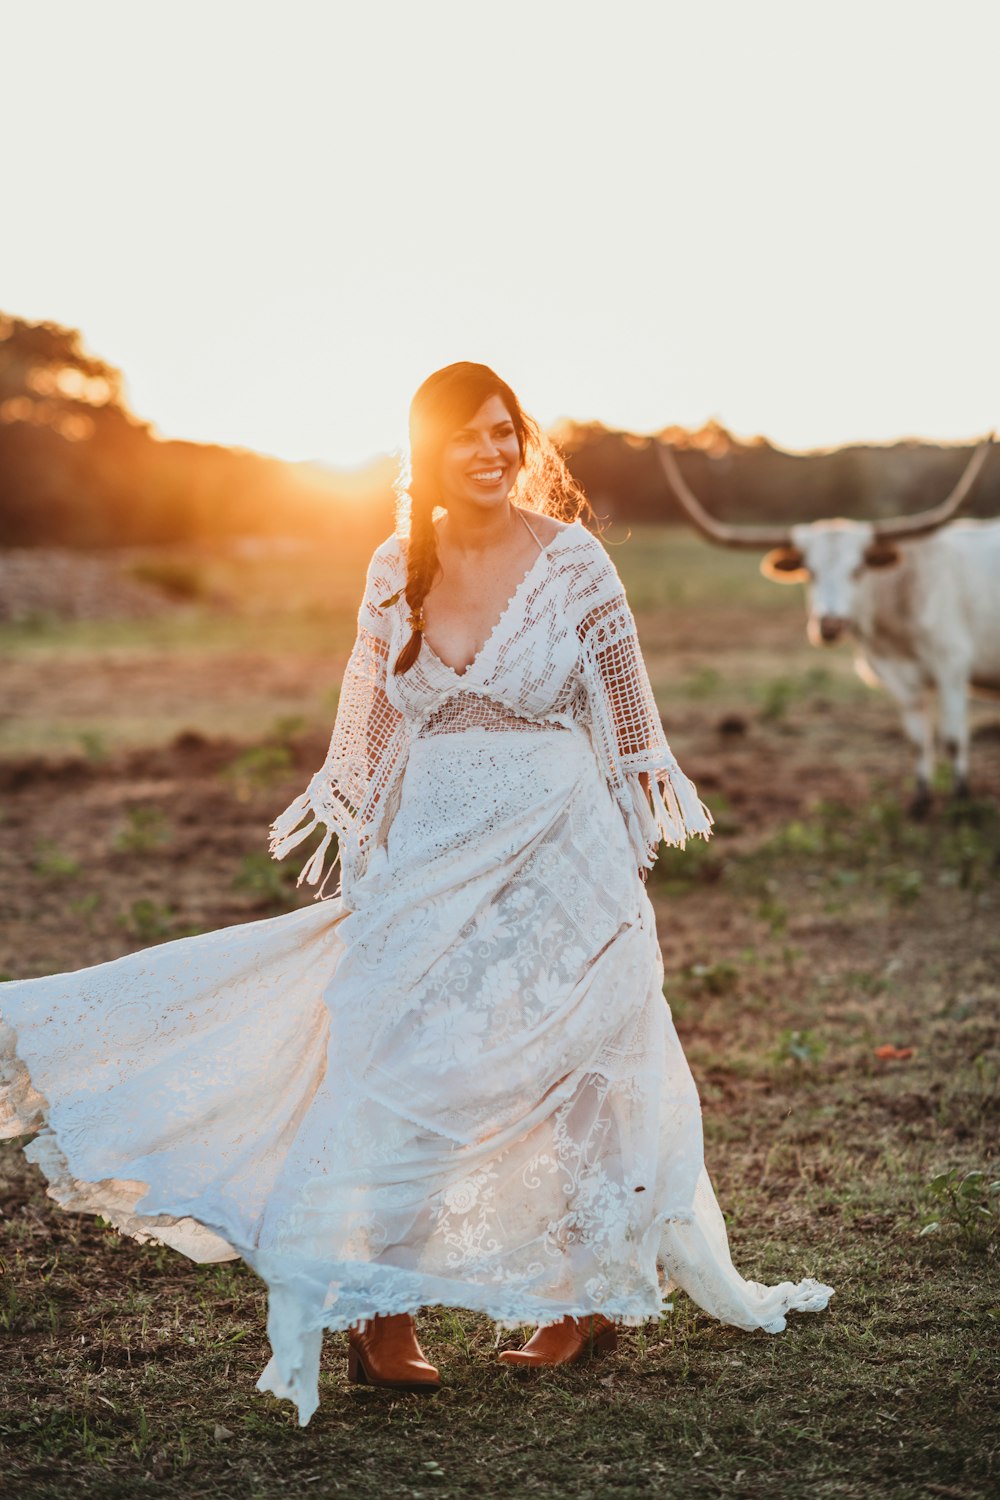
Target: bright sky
[[278, 218]]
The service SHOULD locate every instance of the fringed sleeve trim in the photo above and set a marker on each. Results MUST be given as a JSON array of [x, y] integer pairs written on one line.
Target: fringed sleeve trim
[[346, 795], [625, 723], [671, 812], [299, 819]]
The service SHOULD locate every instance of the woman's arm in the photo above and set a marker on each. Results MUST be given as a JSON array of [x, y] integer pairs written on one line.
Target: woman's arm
[[657, 800], [345, 792]]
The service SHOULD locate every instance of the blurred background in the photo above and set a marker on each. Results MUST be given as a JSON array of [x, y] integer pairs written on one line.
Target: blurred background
[[260, 238], [235, 247]]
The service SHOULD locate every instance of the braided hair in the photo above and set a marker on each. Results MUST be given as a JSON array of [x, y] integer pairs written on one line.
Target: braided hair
[[443, 404]]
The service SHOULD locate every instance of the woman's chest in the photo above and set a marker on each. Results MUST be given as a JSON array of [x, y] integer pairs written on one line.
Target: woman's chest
[[528, 660], [468, 600]]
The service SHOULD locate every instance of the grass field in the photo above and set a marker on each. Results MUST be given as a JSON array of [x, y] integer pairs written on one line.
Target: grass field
[[139, 767]]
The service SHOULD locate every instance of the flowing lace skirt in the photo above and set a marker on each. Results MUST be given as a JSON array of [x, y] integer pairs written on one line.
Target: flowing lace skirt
[[460, 1084]]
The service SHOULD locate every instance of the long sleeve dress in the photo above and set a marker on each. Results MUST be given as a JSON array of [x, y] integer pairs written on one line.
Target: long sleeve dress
[[455, 1080]]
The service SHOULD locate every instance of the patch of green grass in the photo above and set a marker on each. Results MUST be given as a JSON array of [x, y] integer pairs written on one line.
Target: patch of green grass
[[680, 870], [147, 921], [142, 829], [54, 863], [903, 885], [266, 881], [801, 1048], [966, 1203], [260, 767], [707, 682], [714, 979], [194, 632], [776, 695], [257, 769], [286, 728], [86, 907], [876, 841], [775, 698], [672, 567], [94, 745], [774, 913]]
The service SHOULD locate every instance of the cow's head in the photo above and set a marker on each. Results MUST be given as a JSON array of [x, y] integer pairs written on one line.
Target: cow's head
[[832, 558]]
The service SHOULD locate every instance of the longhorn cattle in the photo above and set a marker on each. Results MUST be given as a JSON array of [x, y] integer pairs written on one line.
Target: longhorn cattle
[[919, 597]]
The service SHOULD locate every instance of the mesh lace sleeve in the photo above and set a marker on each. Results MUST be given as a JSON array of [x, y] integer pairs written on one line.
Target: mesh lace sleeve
[[346, 793], [625, 723]]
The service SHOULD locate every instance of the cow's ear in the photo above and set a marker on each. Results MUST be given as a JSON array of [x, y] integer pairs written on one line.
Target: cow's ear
[[785, 565], [881, 555]]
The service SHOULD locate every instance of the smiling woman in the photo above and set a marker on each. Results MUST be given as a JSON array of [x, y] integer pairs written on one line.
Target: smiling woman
[[455, 1081], [478, 466], [476, 455]]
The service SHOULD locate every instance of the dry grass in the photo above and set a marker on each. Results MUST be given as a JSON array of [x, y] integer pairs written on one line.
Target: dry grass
[[818, 926]]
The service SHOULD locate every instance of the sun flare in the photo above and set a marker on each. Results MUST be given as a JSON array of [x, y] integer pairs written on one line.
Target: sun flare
[[683, 223]]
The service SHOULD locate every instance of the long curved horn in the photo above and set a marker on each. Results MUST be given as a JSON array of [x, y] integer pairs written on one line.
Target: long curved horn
[[754, 537], [899, 528]]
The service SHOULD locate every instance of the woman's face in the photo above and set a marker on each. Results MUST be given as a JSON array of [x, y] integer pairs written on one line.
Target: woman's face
[[481, 461]]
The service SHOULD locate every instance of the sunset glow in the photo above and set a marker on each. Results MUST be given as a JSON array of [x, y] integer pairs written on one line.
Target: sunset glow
[[276, 222]]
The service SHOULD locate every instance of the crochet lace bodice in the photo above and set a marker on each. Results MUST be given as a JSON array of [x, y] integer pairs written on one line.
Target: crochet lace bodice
[[563, 653]]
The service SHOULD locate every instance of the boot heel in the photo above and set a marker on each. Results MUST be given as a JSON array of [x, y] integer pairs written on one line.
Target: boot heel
[[606, 1341], [356, 1372]]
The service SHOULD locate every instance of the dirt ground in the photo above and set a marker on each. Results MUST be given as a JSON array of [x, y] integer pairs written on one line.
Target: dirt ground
[[767, 728], [139, 770]]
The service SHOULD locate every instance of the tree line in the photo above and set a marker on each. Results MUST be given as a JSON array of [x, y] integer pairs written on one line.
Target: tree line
[[78, 468]]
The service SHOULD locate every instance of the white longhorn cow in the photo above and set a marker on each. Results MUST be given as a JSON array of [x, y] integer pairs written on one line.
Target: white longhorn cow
[[920, 598]]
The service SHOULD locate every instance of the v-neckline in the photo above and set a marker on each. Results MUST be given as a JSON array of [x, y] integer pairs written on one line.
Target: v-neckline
[[543, 553]]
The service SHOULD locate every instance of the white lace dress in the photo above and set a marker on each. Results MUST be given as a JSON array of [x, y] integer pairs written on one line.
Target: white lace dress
[[456, 1080]]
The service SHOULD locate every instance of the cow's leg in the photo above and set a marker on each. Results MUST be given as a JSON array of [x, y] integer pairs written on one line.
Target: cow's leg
[[906, 683], [953, 700]]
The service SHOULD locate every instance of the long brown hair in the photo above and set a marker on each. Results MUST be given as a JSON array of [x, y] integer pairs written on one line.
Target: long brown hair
[[444, 403]]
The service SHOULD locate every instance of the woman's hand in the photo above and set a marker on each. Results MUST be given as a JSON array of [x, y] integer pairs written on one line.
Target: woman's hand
[[644, 783]]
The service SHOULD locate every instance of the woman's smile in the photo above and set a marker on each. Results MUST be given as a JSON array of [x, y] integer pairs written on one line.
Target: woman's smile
[[487, 477]]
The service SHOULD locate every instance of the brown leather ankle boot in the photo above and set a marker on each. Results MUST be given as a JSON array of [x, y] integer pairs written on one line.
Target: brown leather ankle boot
[[565, 1343], [384, 1352]]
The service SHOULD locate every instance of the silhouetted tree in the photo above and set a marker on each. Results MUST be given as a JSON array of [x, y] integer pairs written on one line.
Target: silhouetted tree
[[79, 468]]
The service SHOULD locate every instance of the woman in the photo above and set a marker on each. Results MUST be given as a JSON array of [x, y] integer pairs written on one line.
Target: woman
[[455, 1081]]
